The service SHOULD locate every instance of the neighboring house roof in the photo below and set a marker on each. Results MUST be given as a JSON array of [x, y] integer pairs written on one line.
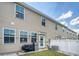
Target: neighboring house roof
[[42, 14]]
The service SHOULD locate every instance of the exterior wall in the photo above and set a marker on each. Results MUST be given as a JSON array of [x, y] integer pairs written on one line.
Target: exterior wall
[[31, 23]]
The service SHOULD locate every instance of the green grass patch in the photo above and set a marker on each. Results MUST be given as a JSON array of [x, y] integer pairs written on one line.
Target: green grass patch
[[45, 53]]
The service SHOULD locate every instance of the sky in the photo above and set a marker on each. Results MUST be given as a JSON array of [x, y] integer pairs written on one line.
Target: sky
[[66, 13]]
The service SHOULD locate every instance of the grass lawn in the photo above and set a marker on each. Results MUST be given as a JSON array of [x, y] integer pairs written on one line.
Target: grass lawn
[[45, 53]]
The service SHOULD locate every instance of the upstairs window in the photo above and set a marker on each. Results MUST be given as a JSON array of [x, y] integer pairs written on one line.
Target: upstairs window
[[9, 36], [19, 11], [56, 27], [43, 22], [63, 29], [23, 36]]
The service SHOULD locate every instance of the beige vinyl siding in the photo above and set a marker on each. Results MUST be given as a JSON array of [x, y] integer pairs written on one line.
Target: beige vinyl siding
[[31, 23]]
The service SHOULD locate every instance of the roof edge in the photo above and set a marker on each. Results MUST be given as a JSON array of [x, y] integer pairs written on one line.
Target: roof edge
[[42, 14]]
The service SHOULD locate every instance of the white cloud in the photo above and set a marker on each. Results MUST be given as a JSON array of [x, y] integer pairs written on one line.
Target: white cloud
[[76, 30], [74, 21], [64, 23], [65, 15]]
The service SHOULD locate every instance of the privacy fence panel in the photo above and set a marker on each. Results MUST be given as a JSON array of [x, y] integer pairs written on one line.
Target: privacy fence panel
[[67, 45]]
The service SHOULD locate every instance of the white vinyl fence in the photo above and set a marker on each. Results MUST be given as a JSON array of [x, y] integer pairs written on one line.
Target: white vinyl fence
[[71, 46]]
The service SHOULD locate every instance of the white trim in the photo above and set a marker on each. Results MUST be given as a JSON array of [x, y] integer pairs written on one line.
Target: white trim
[[15, 11], [41, 21], [44, 42], [33, 32], [41, 18], [3, 35], [27, 35], [24, 13]]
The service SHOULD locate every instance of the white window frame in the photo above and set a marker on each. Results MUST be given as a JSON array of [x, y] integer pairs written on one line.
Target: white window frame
[[44, 41], [15, 11], [56, 26], [63, 29], [41, 21], [27, 36], [34, 32], [3, 35]]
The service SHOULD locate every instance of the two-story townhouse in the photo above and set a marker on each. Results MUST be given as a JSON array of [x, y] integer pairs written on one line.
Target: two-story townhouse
[[21, 24]]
